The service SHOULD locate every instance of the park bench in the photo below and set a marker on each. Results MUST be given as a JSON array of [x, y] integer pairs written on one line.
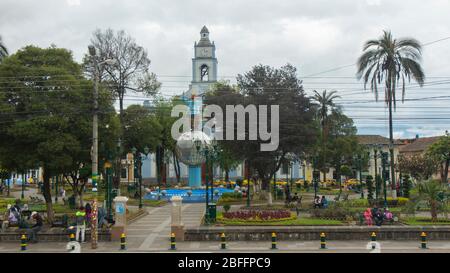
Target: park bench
[[62, 222]]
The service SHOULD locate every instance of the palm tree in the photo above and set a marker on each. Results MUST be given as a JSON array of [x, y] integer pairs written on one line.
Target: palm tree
[[3, 50], [432, 192], [325, 102], [389, 61]]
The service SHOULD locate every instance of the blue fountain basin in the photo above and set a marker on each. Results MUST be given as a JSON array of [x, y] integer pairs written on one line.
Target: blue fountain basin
[[197, 196]]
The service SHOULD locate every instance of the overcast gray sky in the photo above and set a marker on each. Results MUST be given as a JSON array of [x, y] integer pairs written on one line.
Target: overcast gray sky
[[314, 35]]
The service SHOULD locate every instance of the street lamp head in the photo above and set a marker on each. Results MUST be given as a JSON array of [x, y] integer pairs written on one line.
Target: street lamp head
[[133, 150], [198, 144], [91, 50]]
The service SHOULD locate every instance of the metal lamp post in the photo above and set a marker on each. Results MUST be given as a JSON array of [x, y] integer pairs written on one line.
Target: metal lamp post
[[198, 146], [360, 175], [316, 176], [138, 163], [23, 188], [56, 189]]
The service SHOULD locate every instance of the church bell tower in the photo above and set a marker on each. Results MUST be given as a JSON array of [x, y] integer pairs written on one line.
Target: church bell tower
[[204, 64]]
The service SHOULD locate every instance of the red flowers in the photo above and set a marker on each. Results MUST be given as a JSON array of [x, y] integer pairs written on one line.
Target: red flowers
[[257, 214]]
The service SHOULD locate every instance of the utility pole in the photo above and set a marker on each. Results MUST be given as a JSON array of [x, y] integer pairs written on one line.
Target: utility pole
[[384, 163], [95, 121], [94, 148]]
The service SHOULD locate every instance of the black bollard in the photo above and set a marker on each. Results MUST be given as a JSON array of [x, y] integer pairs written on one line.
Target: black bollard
[[172, 242], [373, 238], [323, 243], [274, 240], [423, 243], [223, 244], [123, 241], [23, 242]]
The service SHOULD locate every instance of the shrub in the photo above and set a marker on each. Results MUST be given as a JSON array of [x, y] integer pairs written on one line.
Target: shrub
[[226, 207], [332, 212], [263, 215], [391, 202], [355, 203], [232, 195]]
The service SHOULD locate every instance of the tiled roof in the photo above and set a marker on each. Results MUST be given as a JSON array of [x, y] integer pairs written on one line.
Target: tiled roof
[[375, 139], [419, 145]]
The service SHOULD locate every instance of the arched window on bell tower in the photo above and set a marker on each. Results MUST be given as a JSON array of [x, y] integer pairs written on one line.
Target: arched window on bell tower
[[204, 73]]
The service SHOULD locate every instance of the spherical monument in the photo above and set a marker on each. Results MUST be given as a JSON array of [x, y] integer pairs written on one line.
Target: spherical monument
[[189, 149]]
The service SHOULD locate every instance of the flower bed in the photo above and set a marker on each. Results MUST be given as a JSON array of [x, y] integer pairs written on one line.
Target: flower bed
[[258, 215]]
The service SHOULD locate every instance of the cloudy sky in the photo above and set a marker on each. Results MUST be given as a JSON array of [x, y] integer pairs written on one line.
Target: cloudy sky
[[321, 38]]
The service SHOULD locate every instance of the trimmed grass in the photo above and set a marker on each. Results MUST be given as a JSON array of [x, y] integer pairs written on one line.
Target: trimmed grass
[[424, 221], [288, 222], [147, 203]]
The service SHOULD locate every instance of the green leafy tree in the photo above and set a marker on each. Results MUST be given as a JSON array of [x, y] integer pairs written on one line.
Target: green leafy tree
[[341, 141], [48, 123], [165, 150], [378, 182], [440, 152], [432, 192], [406, 185], [390, 61], [369, 184], [419, 166], [227, 161], [326, 106], [141, 129], [265, 85]]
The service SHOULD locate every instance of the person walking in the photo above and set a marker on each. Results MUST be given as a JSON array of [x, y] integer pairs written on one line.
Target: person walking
[[63, 195], [32, 232], [81, 224]]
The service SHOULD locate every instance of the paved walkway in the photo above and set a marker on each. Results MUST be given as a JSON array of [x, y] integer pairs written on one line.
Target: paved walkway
[[152, 231], [244, 247]]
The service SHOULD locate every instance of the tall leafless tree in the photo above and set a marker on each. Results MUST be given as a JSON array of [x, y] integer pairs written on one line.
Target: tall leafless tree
[[131, 71]]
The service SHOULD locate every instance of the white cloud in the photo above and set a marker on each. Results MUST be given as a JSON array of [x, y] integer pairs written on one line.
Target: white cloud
[[73, 2], [314, 35]]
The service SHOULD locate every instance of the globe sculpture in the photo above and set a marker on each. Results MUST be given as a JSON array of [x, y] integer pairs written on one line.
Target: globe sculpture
[[189, 149]]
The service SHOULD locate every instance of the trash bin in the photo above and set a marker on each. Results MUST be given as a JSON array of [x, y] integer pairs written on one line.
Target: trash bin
[[72, 202], [212, 209]]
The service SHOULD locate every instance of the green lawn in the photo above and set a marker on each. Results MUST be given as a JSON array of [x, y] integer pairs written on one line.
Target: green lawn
[[147, 203], [424, 221], [289, 222]]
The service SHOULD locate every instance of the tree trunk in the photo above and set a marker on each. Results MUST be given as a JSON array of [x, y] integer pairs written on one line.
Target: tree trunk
[[227, 175], [444, 176], [338, 174], [48, 197], [80, 195], [433, 210], [391, 136]]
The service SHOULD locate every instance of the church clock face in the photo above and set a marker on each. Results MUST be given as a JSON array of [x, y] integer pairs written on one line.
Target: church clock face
[[204, 52]]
